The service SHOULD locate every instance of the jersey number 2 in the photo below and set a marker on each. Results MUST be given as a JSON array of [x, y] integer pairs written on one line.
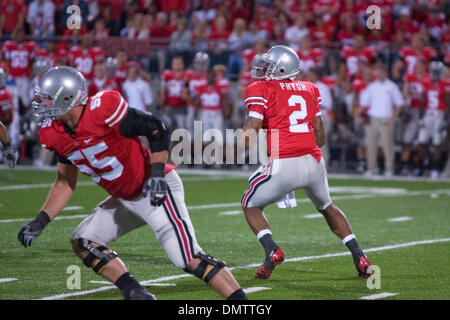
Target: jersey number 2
[[89, 154], [295, 116]]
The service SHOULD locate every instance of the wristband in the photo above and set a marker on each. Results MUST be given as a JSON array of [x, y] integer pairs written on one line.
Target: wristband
[[157, 169], [7, 144], [42, 218]]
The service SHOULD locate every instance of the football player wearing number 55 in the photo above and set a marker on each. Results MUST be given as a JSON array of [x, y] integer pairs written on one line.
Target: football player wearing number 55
[[99, 136], [290, 111]]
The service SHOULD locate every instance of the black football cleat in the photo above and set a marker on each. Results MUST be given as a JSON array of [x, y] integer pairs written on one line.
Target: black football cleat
[[265, 271], [138, 294]]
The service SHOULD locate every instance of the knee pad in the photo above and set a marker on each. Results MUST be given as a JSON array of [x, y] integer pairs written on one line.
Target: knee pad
[[96, 253], [207, 268]]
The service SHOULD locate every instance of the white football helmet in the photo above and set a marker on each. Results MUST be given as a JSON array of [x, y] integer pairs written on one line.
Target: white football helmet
[[280, 62]]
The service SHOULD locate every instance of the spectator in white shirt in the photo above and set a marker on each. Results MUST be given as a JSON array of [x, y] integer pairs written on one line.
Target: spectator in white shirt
[[296, 33], [41, 17], [136, 90], [326, 107], [384, 100]]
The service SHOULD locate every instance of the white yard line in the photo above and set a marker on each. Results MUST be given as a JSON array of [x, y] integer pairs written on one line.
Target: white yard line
[[73, 208], [399, 219], [7, 280], [255, 289], [231, 212], [379, 296], [313, 216], [184, 275]]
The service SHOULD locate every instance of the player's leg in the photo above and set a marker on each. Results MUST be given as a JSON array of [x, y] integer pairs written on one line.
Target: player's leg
[[175, 233], [372, 147], [108, 222], [318, 191], [267, 185]]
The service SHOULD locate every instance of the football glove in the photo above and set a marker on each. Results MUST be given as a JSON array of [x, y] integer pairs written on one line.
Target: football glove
[[9, 155], [156, 186], [32, 229]]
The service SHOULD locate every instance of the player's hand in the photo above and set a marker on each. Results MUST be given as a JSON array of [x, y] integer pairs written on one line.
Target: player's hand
[[9, 155], [32, 229], [156, 186]]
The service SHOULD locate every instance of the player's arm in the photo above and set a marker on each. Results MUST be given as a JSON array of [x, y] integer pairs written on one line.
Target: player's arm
[[157, 131], [319, 131], [58, 197], [9, 153], [250, 129]]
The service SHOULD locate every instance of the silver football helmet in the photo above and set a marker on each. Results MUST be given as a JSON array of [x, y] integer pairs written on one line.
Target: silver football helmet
[[41, 65], [201, 61], [59, 90], [437, 70], [2, 78], [280, 62], [111, 65]]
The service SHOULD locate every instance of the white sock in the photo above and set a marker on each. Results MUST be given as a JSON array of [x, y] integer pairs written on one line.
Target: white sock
[[263, 233], [348, 238]]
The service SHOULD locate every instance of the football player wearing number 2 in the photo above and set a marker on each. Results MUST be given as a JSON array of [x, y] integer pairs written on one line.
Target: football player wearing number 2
[[291, 110], [99, 136]]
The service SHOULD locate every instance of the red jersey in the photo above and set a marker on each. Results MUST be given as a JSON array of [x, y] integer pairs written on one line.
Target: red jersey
[[417, 88], [19, 56], [173, 85], [288, 109], [310, 58], [84, 60], [195, 81], [6, 103], [224, 87], [410, 56], [210, 97], [97, 85], [351, 57], [435, 94], [118, 164]]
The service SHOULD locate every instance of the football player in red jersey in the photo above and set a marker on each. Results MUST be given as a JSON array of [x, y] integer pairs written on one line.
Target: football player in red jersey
[[99, 136], [433, 121], [195, 79], [290, 111], [414, 92], [171, 97], [9, 155]]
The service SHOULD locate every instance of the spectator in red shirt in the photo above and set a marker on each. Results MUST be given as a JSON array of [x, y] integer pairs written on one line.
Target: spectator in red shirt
[[217, 39], [350, 28], [160, 37], [321, 32], [12, 16], [100, 31], [160, 33], [406, 23]]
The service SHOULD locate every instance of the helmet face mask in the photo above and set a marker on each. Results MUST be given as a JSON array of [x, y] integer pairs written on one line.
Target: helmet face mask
[[260, 66], [201, 61], [59, 90]]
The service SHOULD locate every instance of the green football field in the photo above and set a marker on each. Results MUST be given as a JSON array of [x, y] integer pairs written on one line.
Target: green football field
[[404, 227]]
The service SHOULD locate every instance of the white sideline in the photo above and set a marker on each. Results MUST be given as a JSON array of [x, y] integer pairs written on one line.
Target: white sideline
[[7, 280], [184, 275], [300, 200]]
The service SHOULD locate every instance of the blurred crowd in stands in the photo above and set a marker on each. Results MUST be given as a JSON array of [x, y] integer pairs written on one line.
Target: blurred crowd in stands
[[385, 91]]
